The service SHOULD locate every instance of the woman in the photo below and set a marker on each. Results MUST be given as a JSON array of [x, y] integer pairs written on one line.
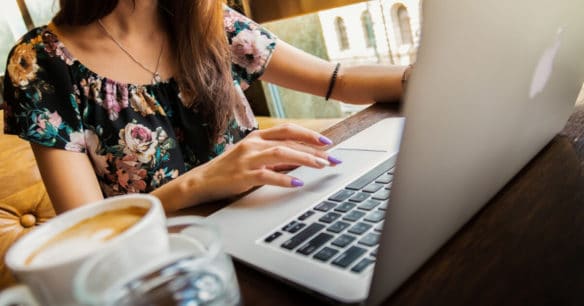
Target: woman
[[120, 96]]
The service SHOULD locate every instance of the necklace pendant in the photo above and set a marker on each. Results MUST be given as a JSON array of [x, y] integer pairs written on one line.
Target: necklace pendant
[[156, 78]]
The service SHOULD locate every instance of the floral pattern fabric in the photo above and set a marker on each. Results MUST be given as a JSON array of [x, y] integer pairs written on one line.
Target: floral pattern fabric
[[138, 137]]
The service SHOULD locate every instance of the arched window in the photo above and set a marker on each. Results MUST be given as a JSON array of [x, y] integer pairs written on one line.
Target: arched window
[[402, 24], [341, 33], [368, 31]]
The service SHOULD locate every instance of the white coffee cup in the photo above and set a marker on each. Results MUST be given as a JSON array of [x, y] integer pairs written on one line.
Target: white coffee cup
[[196, 272], [51, 281]]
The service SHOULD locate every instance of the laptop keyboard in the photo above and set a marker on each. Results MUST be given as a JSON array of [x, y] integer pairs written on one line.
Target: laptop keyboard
[[344, 229]]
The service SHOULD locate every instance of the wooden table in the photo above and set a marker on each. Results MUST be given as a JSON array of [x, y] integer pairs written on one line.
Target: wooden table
[[525, 247]]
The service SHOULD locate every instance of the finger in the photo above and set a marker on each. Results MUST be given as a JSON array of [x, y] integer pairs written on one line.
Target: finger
[[289, 131], [267, 177], [285, 155], [314, 151], [283, 167], [306, 148], [303, 148]]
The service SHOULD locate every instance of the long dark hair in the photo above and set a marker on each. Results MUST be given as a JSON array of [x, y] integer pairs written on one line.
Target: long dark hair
[[196, 33]]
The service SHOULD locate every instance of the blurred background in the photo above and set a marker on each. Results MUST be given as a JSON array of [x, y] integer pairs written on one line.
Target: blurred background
[[347, 31]]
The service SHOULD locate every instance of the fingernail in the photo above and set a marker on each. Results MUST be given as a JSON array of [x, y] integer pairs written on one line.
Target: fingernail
[[322, 162], [297, 183], [334, 160], [325, 140]]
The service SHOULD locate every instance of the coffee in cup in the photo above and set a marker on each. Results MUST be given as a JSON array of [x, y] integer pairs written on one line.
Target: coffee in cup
[[86, 236], [45, 260]]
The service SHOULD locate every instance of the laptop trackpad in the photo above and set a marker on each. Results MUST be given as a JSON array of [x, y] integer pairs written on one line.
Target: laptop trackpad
[[359, 154], [354, 162], [318, 183]]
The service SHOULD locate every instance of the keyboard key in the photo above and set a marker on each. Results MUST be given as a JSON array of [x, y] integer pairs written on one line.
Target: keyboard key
[[375, 216], [384, 179], [329, 217], [383, 194], [369, 204], [325, 206], [391, 171], [293, 227], [289, 225], [383, 205], [325, 254], [343, 240], [272, 237], [299, 238], [315, 243], [348, 257], [306, 215], [360, 197], [374, 253], [354, 215], [338, 227], [359, 228], [362, 265], [296, 228], [341, 195], [379, 227], [364, 180], [372, 188], [370, 239], [388, 186], [345, 207]]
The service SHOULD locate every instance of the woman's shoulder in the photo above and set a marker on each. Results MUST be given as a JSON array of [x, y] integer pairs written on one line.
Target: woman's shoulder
[[41, 43], [33, 36], [37, 51], [29, 45], [251, 46], [234, 22]]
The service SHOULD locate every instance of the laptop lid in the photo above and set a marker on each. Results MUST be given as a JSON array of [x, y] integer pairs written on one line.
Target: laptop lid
[[494, 82]]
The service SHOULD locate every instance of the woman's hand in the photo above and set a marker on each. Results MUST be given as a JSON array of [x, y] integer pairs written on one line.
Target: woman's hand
[[256, 159]]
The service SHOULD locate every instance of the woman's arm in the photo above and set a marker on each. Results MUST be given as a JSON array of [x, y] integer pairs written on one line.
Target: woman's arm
[[68, 177], [71, 181], [295, 69], [252, 162]]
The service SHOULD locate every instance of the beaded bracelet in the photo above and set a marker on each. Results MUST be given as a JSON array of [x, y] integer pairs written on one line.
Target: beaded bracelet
[[332, 82]]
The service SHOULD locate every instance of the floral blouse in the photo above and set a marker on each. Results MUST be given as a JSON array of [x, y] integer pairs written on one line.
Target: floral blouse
[[137, 137]]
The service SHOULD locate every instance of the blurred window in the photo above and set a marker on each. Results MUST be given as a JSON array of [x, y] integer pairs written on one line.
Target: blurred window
[[403, 23], [41, 11], [368, 31], [360, 33], [342, 33]]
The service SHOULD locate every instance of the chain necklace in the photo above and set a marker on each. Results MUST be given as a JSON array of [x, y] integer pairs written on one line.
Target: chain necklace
[[155, 75]]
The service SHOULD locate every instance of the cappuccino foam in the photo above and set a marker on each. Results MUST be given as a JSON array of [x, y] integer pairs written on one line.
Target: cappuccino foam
[[86, 236]]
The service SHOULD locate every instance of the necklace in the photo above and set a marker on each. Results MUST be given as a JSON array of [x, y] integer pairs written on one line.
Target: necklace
[[155, 75]]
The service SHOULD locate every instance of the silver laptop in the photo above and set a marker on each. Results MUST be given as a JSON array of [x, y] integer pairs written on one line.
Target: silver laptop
[[494, 82]]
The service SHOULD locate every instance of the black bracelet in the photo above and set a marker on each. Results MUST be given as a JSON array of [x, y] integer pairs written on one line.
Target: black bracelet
[[332, 82]]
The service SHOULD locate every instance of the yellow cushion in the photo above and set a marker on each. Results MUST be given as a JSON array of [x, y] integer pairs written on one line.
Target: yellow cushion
[[24, 202], [20, 213]]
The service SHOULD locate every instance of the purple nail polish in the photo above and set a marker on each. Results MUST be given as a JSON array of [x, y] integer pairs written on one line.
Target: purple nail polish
[[334, 160], [297, 183], [325, 140]]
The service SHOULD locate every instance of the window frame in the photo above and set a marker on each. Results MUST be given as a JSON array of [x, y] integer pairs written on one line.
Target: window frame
[[342, 35], [368, 30], [402, 24]]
